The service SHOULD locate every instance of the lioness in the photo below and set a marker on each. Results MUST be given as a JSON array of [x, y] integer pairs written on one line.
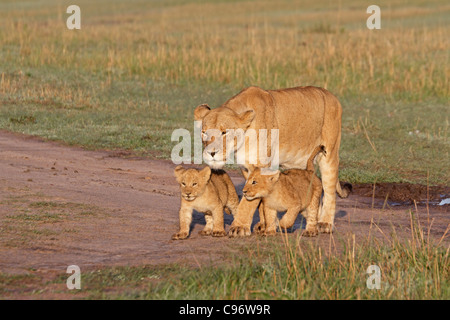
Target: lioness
[[305, 118], [292, 191], [207, 192]]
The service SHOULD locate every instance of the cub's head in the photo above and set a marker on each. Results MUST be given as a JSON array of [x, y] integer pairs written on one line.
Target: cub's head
[[192, 181], [260, 183], [222, 132]]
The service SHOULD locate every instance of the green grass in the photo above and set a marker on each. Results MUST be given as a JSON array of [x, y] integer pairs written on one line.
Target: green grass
[[136, 70], [286, 267]]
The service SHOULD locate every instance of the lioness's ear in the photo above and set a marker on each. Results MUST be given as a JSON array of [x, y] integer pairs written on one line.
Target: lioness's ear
[[247, 118], [206, 173], [178, 172], [201, 111]]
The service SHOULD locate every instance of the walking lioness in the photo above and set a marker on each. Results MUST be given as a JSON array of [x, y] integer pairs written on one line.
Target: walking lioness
[[305, 118]]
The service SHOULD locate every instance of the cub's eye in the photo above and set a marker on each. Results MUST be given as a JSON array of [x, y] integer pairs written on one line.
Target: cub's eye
[[194, 184], [253, 182], [183, 184]]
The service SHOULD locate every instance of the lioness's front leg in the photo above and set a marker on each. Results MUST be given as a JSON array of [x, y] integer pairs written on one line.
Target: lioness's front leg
[[243, 219], [261, 225], [217, 216]]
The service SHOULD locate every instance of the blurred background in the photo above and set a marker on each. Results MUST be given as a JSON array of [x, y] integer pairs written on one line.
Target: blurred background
[[135, 71]]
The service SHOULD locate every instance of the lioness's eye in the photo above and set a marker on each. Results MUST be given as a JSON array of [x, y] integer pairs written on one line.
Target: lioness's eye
[[194, 184], [253, 182], [224, 132]]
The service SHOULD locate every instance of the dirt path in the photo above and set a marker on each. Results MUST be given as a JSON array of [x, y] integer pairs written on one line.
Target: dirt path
[[64, 205]]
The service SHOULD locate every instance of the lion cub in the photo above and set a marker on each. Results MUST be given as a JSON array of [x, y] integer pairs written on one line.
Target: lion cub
[[292, 191], [210, 192]]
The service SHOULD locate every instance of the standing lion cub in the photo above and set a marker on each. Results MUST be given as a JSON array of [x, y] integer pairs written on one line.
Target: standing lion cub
[[210, 192], [292, 191]]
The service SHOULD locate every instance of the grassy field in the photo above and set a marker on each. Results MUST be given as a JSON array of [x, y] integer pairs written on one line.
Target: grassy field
[[137, 69], [280, 268]]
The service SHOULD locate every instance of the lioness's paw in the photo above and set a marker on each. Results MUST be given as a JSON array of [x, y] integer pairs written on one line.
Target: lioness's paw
[[239, 231], [310, 233], [325, 227], [180, 235], [221, 233]]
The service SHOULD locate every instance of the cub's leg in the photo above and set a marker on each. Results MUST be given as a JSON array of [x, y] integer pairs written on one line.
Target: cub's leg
[[207, 230], [270, 218], [312, 213], [185, 215], [289, 217], [218, 223], [243, 219], [261, 225]]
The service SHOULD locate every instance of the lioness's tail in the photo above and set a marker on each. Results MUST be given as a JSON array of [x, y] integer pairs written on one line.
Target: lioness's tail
[[310, 163]]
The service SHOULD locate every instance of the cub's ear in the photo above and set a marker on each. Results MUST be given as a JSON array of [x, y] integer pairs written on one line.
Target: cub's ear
[[178, 172], [205, 173], [273, 175], [247, 118], [247, 171], [201, 111]]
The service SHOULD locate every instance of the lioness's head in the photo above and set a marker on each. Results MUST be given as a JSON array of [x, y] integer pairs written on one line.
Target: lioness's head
[[217, 125], [259, 184], [192, 181]]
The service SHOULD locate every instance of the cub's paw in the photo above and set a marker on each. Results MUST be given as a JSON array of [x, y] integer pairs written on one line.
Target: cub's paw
[[268, 232], [239, 231], [259, 228], [325, 227], [220, 233], [180, 235], [310, 232], [204, 232]]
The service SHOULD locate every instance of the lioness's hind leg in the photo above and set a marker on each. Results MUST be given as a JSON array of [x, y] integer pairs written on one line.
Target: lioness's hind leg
[[329, 167]]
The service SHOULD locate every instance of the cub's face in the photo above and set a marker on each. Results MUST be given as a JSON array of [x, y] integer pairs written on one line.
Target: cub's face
[[258, 184], [192, 181]]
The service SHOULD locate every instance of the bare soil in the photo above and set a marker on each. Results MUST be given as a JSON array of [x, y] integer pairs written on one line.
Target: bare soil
[[62, 205]]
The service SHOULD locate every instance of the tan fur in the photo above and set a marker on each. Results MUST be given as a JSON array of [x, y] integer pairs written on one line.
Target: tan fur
[[305, 116], [210, 192], [292, 191]]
